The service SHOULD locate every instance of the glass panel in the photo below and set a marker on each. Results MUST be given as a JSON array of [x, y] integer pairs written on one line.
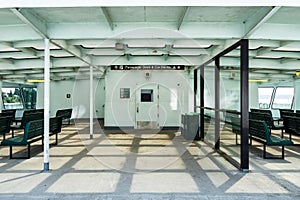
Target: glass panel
[[230, 104], [12, 98], [283, 97], [146, 95], [29, 95], [264, 97]]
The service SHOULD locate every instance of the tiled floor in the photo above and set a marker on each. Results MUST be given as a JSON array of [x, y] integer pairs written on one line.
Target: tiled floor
[[145, 165]]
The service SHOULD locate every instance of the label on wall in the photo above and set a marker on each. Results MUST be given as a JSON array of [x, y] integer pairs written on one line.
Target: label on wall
[[147, 67]]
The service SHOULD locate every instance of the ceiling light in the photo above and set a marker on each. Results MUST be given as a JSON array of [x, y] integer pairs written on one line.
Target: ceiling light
[[35, 81], [258, 80], [297, 73]]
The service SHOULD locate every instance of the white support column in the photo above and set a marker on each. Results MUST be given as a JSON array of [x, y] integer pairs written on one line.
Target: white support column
[[46, 104], [91, 103]]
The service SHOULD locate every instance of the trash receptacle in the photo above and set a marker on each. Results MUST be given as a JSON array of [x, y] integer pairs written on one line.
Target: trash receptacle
[[190, 126]]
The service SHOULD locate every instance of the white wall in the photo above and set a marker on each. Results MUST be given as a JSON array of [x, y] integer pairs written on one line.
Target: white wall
[[79, 100], [253, 95], [176, 95]]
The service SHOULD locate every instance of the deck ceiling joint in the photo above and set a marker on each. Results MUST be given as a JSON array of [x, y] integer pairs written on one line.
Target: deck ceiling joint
[[256, 21], [108, 18], [181, 17]]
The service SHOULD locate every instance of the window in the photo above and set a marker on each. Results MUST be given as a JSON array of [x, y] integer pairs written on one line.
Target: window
[[283, 98], [19, 97], [124, 93], [146, 95], [29, 95], [12, 98], [265, 96]]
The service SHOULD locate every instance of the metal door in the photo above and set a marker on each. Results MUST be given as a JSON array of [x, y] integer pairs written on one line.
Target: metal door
[[147, 106]]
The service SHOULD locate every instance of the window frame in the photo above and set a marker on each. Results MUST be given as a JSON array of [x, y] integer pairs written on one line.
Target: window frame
[[22, 100], [274, 95], [271, 99]]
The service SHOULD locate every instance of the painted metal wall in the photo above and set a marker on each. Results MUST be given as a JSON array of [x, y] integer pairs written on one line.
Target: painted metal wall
[[174, 90], [79, 97]]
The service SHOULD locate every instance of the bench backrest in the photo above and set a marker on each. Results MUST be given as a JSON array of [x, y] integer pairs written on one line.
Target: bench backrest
[[258, 128], [297, 113], [291, 124], [287, 114], [236, 125], [262, 117], [9, 112], [55, 125], [36, 127], [64, 113], [33, 128], [31, 116], [260, 110], [5, 125]]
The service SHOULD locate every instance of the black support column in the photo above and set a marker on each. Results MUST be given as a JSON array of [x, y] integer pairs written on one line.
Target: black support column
[[244, 71], [217, 103], [202, 103], [195, 89]]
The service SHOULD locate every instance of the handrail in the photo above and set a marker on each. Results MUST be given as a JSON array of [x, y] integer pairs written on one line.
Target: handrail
[[220, 110]]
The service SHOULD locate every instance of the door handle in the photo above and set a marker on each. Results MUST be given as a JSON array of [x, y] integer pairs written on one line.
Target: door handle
[[137, 109]]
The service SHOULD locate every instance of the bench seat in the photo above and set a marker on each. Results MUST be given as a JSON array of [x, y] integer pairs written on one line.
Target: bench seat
[[277, 141], [15, 141]]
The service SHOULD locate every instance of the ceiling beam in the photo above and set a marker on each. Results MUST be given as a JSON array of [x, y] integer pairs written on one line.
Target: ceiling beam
[[145, 30], [126, 3], [263, 51], [181, 17], [257, 20], [6, 60], [33, 20], [40, 27], [108, 18], [68, 48], [287, 60]]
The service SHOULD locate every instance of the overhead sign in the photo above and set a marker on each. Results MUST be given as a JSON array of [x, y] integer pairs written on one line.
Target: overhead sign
[[147, 67]]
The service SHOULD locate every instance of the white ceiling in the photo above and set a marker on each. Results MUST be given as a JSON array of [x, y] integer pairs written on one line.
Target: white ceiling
[[165, 35]]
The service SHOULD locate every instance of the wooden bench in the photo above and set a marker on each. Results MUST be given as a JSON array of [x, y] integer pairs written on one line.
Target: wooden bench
[[291, 126], [65, 114], [33, 131], [260, 132], [5, 125]]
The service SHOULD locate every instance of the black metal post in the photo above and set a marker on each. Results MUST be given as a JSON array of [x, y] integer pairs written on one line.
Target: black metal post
[[244, 73], [195, 89], [217, 103], [202, 103]]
